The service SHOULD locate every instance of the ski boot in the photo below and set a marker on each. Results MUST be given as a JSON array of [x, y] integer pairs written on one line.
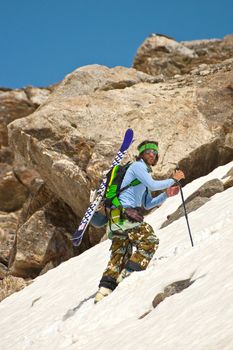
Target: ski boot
[[102, 293]]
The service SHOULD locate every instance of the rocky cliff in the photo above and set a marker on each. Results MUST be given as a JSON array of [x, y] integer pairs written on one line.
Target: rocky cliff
[[178, 93]]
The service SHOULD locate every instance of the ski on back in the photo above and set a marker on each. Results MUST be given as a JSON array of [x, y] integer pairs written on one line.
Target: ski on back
[[78, 235]]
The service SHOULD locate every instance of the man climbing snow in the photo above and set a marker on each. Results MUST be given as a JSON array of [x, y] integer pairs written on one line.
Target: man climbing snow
[[126, 226]]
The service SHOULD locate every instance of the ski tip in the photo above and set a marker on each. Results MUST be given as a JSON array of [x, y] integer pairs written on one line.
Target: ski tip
[[127, 140], [129, 132], [76, 243]]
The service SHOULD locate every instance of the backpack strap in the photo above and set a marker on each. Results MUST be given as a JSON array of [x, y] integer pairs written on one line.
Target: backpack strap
[[132, 183], [115, 200]]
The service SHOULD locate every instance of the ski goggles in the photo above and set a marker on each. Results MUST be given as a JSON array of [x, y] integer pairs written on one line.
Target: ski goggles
[[151, 151], [149, 147]]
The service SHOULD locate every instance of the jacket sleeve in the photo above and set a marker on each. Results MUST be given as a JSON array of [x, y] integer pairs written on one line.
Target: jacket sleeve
[[145, 178], [149, 202]]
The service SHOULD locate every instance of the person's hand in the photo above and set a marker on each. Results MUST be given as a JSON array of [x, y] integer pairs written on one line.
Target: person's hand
[[178, 175], [172, 191]]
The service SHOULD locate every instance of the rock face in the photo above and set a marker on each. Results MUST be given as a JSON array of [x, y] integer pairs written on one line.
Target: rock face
[[16, 178], [72, 138], [43, 239], [163, 55], [43, 236]]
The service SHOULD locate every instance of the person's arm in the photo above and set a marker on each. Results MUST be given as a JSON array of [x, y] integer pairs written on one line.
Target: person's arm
[[145, 178], [149, 202]]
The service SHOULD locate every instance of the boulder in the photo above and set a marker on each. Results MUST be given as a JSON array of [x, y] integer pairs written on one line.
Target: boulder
[[160, 54], [196, 200], [207, 190], [193, 205], [16, 104], [44, 237], [16, 180], [73, 137]]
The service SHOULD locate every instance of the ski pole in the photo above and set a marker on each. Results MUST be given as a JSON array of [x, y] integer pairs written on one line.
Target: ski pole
[[185, 211]]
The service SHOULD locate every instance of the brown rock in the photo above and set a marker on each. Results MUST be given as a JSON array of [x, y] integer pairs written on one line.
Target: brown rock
[[10, 285], [12, 193], [15, 104], [3, 270], [89, 79], [6, 155], [26, 176], [8, 226], [40, 196], [45, 237], [67, 142], [160, 54], [171, 289]]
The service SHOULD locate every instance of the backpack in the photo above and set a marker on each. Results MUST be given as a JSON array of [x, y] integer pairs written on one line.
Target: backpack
[[113, 185]]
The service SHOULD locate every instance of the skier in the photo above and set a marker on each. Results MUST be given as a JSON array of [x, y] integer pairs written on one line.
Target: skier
[[132, 231]]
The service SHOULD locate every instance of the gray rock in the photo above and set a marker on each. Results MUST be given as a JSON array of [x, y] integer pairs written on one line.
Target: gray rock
[[196, 200], [208, 189], [193, 205]]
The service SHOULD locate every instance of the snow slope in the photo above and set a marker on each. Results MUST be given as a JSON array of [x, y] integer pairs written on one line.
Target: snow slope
[[43, 315]]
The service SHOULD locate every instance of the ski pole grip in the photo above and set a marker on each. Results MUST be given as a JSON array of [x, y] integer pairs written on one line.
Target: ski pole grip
[[177, 181]]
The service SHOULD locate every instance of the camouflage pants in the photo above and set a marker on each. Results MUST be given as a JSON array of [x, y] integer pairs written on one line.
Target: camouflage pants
[[143, 239]]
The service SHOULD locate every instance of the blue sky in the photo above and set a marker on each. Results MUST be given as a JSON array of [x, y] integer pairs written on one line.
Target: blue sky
[[43, 40]]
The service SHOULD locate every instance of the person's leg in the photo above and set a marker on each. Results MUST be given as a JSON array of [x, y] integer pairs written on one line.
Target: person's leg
[[146, 243], [119, 254]]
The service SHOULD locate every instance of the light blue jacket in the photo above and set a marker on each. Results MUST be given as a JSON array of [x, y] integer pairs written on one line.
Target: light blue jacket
[[137, 196]]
